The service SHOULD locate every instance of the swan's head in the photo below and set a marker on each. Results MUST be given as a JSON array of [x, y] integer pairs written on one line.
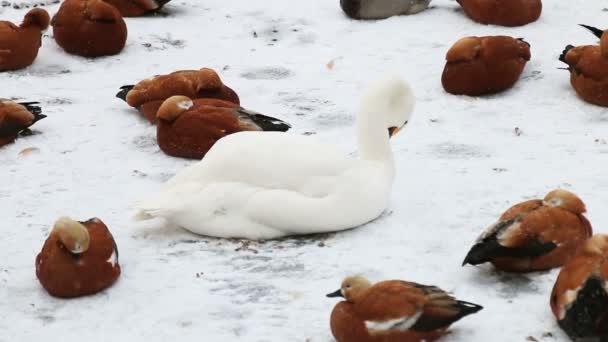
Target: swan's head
[[73, 235], [392, 100]]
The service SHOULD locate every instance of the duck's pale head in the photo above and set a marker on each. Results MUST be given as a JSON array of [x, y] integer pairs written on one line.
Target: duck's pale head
[[72, 234], [566, 200], [351, 288], [392, 100], [173, 107]]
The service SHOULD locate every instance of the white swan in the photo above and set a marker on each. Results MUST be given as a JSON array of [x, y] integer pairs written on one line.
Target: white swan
[[265, 185]]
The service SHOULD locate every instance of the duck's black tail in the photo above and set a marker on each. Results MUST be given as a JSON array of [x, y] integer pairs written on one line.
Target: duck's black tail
[[562, 57], [266, 123], [596, 32], [124, 90], [34, 109], [522, 39]]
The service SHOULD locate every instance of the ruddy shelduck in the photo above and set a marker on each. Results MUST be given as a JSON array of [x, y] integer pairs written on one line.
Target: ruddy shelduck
[[394, 311], [534, 235]]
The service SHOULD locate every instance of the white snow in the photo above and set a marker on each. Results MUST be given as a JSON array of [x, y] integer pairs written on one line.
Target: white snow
[[460, 164]]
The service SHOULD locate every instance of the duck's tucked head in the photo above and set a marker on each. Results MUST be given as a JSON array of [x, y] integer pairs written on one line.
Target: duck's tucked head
[[37, 17], [72, 234], [566, 200], [391, 100], [597, 244], [351, 288], [173, 107]]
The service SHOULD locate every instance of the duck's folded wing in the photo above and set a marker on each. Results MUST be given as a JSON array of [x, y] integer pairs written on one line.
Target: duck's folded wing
[[393, 306], [506, 239], [250, 120], [441, 309]]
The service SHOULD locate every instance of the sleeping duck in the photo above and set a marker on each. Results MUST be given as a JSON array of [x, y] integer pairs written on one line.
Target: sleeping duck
[[78, 258], [19, 44], [381, 9], [89, 28], [588, 66], [149, 94], [189, 128], [484, 65], [264, 185], [579, 299], [137, 8], [502, 12], [534, 235], [394, 311], [15, 118]]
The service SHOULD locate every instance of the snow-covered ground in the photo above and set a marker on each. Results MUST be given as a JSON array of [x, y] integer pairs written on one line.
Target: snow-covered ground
[[459, 165]]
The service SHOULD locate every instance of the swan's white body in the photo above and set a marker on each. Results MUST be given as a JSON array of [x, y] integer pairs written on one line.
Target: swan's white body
[[264, 185]]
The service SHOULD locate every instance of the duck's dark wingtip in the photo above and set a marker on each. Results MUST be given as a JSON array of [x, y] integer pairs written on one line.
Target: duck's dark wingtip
[[124, 90], [596, 32], [562, 57], [523, 40], [469, 308], [34, 109]]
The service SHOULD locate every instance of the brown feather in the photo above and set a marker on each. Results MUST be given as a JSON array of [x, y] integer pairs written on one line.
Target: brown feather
[[502, 12], [64, 274], [19, 45], [89, 28], [484, 65]]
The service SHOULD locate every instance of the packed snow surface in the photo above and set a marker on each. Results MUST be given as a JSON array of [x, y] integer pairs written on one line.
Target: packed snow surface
[[461, 162]]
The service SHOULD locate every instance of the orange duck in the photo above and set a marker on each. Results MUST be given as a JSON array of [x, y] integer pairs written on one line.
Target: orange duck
[[15, 118], [502, 12], [534, 235], [484, 65], [149, 94], [19, 44], [89, 28], [137, 8], [189, 128], [579, 299], [78, 258], [394, 311], [588, 67]]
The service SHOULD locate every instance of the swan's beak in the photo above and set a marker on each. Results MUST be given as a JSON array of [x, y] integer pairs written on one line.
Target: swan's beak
[[336, 294], [393, 130]]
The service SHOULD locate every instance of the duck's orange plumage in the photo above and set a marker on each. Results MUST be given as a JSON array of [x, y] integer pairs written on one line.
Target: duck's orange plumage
[[136, 8], [189, 128], [149, 94], [17, 117], [588, 66], [502, 12], [534, 235], [78, 259], [89, 28], [484, 65], [19, 44], [394, 311], [579, 299]]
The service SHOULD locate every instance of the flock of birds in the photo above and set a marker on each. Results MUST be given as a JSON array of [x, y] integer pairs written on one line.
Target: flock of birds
[[300, 186]]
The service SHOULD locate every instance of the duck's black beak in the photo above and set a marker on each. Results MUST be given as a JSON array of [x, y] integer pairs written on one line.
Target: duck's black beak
[[124, 90], [336, 294], [392, 131]]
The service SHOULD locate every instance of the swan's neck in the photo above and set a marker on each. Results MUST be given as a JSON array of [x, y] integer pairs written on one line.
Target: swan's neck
[[373, 138]]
